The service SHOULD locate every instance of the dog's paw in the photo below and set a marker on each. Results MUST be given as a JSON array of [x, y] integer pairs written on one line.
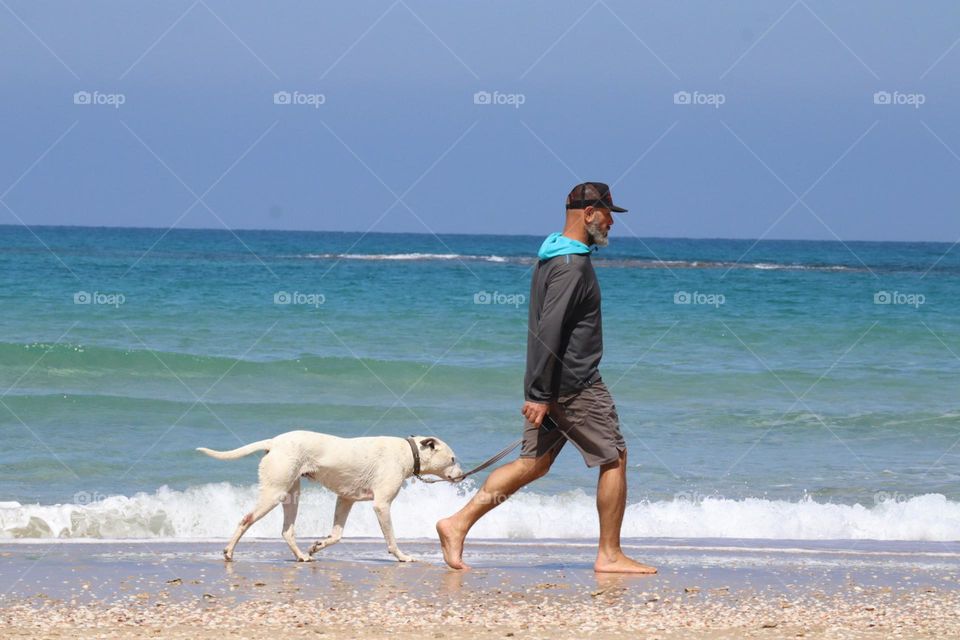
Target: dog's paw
[[323, 544], [402, 557], [305, 559]]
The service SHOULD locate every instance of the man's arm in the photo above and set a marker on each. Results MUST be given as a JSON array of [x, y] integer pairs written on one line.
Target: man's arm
[[545, 337]]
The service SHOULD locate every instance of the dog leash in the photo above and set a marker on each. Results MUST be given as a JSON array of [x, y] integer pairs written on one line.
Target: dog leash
[[490, 461]]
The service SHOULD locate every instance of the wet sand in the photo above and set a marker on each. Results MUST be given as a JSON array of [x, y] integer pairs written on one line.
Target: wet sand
[[530, 589]]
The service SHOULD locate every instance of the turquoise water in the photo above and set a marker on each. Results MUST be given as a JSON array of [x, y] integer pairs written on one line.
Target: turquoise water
[[784, 401]]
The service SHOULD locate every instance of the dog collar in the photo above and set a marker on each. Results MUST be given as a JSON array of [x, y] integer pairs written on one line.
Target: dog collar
[[416, 455]]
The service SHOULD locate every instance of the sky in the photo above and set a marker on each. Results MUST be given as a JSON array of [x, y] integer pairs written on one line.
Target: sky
[[800, 119]]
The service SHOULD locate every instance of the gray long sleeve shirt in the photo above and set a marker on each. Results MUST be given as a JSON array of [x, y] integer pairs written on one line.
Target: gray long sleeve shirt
[[564, 337]]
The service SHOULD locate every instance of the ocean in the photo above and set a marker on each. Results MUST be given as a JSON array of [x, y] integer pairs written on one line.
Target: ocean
[[788, 390]]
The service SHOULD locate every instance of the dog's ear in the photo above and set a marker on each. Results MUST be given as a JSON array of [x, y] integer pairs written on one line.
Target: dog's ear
[[429, 443]]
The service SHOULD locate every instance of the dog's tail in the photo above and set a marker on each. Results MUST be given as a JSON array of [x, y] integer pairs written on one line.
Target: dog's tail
[[262, 445]]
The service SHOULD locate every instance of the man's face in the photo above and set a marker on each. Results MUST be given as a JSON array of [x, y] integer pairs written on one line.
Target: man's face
[[598, 222]]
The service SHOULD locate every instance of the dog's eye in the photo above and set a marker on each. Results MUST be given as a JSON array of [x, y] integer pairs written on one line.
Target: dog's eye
[[453, 460]]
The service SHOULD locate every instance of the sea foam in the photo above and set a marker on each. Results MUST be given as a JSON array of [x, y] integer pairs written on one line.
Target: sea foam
[[211, 511]]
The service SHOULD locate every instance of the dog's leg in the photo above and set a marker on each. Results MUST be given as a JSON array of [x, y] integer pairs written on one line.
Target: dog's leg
[[381, 506], [265, 504], [290, 506], [340, 514]]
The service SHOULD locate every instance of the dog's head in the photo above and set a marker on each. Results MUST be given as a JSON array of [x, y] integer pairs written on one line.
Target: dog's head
[[437, 458]]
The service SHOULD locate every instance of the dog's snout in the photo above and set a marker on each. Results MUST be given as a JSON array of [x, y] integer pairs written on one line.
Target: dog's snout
[[454, 471]]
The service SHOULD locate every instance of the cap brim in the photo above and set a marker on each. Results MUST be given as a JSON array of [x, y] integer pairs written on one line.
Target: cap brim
[[596, 204]]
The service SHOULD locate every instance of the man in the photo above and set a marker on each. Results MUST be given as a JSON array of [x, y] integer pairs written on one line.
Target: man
[[565, 397]]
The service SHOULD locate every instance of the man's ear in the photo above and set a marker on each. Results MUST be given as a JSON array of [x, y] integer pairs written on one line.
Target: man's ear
[[588, 214], [428, 443]]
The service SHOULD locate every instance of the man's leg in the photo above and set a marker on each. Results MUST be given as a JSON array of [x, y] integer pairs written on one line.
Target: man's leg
[[611, 503], [500, 485]]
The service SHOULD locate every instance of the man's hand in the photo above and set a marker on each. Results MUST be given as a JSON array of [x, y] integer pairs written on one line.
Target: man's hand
[[534, 412]]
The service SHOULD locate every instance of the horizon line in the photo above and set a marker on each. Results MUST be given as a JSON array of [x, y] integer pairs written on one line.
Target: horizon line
[[458, 233]]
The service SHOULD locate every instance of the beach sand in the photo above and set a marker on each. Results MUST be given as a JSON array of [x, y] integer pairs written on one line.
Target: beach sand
[[524, 589]]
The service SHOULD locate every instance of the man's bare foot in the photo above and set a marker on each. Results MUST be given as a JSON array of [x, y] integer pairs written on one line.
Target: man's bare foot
[[619, 563], [451, 542]]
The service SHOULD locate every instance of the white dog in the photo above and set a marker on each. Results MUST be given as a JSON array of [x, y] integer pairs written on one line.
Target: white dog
[[355, 469]]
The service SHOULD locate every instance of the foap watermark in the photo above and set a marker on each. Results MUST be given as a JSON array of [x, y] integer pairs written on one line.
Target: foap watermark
[[299, 298], [514, 100], [892, 497], [97, 98], [488, 498], [99, 298], [84, 498], [695, 497], [299, 98], [915, 100], [486, 297], [697, 297], [698, 98], [900, 298]]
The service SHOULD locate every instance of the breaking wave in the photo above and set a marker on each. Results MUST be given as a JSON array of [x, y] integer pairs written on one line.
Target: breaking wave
[[600, 261], [211, 511]]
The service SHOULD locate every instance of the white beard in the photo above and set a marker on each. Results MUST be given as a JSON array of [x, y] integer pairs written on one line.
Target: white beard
[[596, 235]]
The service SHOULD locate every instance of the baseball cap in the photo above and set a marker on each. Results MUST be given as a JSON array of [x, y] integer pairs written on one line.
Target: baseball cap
[[592, 194]]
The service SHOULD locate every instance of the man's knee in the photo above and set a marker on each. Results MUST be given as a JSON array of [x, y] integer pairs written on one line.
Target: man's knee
[[537, 467]]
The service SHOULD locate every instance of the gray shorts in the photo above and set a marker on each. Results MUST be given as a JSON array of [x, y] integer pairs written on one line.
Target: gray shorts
[[588, 419]]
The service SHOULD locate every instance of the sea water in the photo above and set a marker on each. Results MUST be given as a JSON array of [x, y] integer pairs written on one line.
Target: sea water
[[766, 389]]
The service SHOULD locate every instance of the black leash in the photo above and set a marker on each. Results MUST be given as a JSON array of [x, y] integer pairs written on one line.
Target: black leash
[[490, 461]]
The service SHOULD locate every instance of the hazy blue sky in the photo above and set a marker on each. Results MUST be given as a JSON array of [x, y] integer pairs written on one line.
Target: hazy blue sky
[[798, 126]]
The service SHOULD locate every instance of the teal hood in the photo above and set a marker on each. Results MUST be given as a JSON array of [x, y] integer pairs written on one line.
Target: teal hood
[[558, 244]]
